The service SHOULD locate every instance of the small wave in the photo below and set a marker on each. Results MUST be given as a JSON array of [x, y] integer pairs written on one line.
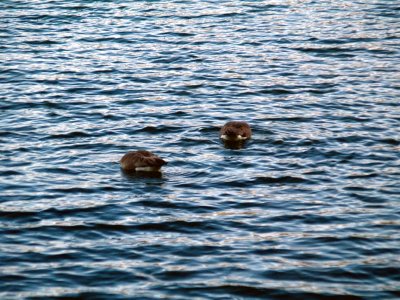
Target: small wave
[[280, 180], [70, 135], [160, 129], [42, 42], [73, 190], [10, 173]]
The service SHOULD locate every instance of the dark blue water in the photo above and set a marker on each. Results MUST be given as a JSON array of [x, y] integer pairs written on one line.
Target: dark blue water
[[309, 209]]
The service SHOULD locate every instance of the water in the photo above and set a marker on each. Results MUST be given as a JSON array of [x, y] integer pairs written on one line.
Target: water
[[309, 209]]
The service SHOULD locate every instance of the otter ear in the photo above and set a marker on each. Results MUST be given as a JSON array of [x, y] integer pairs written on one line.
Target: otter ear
[[160, 161]]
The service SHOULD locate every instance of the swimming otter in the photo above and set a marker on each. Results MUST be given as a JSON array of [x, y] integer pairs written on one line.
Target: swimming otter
[[140, 161], [235, 131]]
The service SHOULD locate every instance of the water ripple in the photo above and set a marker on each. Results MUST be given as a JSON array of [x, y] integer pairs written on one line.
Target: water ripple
[[307, 209]]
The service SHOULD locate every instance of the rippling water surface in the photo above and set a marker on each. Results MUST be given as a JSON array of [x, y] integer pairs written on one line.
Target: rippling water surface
[[309, 209]]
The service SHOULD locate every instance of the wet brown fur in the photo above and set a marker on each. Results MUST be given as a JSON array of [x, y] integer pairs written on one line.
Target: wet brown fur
[[235, 128], [142, 158]]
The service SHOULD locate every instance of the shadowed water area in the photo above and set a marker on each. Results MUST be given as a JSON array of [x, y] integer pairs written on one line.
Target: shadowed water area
[[308, 209]]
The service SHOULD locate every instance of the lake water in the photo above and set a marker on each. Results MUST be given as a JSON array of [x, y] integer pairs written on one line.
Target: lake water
[[308, 209]]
